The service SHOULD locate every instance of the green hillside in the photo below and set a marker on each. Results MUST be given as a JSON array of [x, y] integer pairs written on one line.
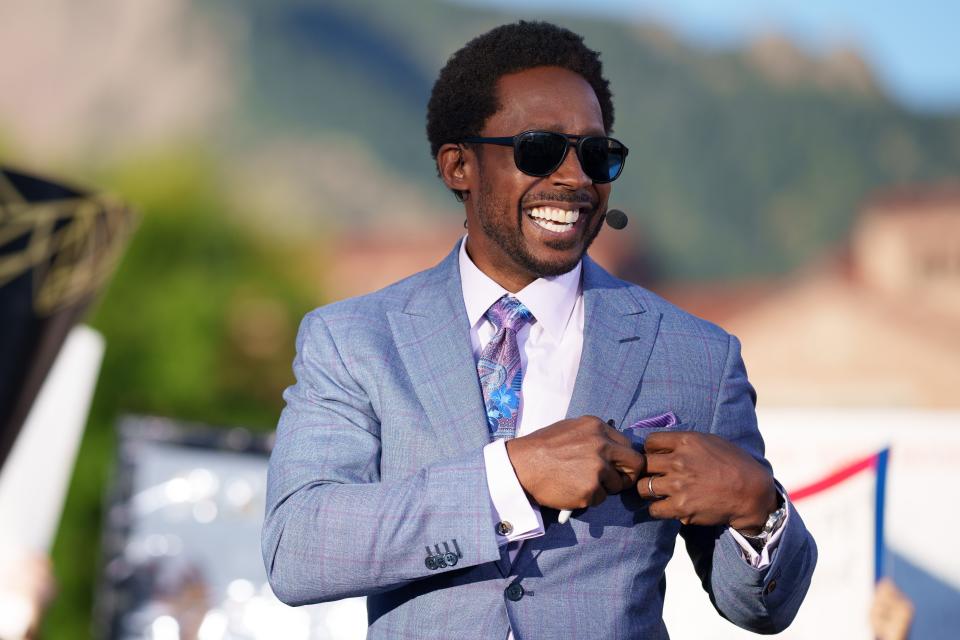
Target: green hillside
[[729, 172], [732, 170]]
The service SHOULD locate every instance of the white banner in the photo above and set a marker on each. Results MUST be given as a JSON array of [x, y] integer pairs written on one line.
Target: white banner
[[806, 446], [36, 474]]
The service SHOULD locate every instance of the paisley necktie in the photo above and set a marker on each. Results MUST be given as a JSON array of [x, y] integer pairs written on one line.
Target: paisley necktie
[[499, 366]]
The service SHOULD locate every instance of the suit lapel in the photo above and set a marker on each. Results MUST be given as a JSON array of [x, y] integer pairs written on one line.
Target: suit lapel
[[618, 337], [432, 335]]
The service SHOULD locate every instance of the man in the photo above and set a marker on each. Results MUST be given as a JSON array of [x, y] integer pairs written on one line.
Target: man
[[438, 427]]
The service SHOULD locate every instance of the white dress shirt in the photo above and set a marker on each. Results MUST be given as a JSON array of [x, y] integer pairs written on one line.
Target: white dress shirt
[[550, 358]]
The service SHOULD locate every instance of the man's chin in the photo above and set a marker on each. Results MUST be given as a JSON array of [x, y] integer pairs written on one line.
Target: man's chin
[[560, 256], [553, 266], [551, 271]]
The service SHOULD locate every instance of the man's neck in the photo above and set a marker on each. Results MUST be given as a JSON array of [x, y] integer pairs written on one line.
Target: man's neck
[[512, 281]]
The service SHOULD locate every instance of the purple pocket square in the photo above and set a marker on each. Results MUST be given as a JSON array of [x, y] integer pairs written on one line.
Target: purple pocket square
[[639, 430], [662, 421]]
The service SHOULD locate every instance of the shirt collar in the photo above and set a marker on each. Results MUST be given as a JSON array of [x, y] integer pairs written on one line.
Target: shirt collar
[[550, 300]]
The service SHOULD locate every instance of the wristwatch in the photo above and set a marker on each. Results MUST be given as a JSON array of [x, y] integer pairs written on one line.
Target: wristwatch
[[774, 520]]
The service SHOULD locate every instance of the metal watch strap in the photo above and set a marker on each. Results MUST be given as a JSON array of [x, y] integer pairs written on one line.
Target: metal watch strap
[[759, 541]]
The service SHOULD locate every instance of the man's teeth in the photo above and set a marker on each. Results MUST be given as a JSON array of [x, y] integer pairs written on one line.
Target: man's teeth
[[554, 219]]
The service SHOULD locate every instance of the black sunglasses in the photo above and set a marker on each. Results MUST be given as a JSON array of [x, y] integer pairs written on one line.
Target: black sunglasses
[[540, 153]]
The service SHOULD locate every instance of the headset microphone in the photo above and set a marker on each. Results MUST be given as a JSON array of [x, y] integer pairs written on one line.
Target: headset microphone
[[616, 218]]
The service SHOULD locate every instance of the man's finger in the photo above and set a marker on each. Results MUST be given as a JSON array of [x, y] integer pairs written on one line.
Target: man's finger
[[647, 487], [597, 497], [613, 481], [663, 510], [627, 459], [659, 463], [662, 441], [618, 437], [632, 474]]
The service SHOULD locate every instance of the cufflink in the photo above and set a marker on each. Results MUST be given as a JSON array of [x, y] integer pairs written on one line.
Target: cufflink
[[504, 528]]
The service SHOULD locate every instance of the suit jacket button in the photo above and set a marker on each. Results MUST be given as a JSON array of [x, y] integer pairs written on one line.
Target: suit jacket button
[[504, 528], [770, 587], [431, 563], [514, 592], [451, 559]]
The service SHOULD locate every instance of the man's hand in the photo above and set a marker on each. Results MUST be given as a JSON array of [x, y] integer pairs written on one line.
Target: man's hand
[[26, 588], [891, 613], [575, 463], [705, 480]]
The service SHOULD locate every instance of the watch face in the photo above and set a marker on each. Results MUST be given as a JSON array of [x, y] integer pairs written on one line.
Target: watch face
[[774, 521]]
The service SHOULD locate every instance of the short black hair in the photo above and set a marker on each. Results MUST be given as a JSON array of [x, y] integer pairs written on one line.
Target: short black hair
[[464, 95]]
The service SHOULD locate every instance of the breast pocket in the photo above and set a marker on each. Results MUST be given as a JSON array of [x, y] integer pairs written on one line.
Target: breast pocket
[[641, 429], [628, 509]]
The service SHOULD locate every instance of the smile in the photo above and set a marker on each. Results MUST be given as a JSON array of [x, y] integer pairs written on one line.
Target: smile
[[552, 218]]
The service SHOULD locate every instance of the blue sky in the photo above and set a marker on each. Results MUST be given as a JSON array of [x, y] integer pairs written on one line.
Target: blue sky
[[913, 46]]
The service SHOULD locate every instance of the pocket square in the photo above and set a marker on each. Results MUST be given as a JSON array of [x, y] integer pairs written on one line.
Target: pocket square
[[638, 431], [662, 421]]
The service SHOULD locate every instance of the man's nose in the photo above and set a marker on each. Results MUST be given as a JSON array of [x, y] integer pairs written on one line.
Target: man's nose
[[570, 174]]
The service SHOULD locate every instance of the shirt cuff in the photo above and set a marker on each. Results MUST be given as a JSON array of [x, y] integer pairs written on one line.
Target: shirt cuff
[[515, 517], [761, 559]]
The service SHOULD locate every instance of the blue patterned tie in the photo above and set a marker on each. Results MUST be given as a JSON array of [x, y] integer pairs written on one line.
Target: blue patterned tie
[[499, 366]]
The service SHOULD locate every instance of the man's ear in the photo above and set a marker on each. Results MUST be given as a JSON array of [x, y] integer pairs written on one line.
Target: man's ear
[[456, 166]]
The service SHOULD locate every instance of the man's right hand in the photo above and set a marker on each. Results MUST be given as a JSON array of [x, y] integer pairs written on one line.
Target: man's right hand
[[576, 463]]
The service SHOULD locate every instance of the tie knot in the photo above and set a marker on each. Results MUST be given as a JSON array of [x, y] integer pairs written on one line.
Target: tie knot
[[509, 313]]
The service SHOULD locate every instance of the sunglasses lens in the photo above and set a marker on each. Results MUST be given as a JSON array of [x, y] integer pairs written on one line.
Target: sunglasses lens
[[602, 158], [539, 153]]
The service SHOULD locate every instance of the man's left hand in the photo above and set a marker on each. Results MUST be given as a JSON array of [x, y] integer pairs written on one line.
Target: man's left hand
[[703, 479]]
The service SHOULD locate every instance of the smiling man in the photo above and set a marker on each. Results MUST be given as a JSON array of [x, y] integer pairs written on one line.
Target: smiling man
[[529, 227], [442, 430]]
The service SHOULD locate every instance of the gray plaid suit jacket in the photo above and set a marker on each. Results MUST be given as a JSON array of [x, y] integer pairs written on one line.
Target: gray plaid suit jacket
[[378, 468]]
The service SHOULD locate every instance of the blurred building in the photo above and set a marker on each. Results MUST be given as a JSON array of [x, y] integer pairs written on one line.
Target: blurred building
[[908, 243], [366, 259], [873, 326]]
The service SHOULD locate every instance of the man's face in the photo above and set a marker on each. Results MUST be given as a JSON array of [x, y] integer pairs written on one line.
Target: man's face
[[514, 235]]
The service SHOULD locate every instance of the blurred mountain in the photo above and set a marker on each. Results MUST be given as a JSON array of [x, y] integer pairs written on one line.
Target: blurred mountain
[[85, 85], [740, 161], [747, 161]]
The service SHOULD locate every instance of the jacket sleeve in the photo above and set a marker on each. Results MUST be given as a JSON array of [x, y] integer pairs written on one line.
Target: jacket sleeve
[[760, 600], [332, 529]]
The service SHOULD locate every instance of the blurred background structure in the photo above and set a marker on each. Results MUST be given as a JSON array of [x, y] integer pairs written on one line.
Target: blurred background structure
[[794, 175]]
